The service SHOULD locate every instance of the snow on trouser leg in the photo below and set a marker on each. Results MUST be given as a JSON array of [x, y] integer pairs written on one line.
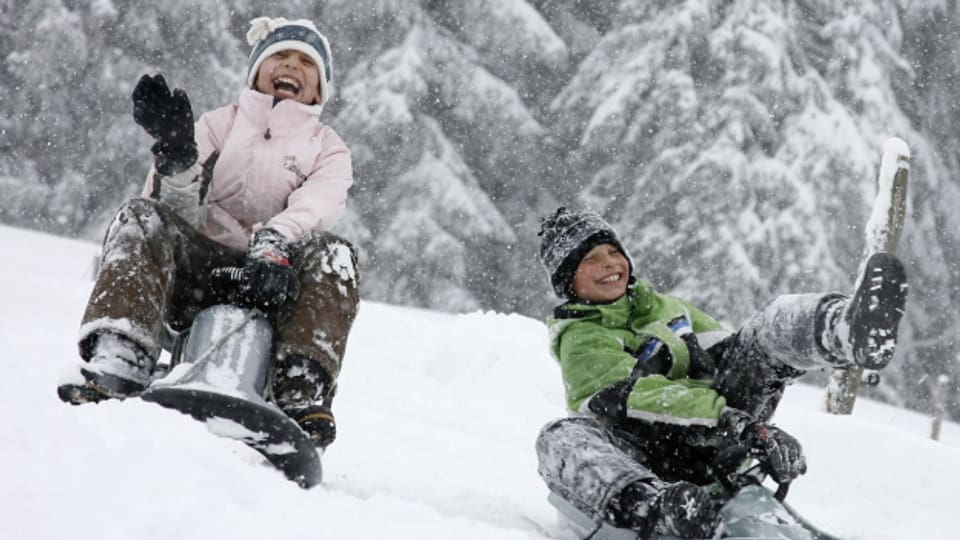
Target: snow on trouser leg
[[136, 272], [316, 325], [304, 391], [778, 344], [315, 328], [585, 465], [126, 304], [152, 268]]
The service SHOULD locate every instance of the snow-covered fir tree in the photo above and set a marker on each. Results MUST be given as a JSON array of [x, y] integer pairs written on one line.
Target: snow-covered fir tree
[[405, 97], [70, 153]]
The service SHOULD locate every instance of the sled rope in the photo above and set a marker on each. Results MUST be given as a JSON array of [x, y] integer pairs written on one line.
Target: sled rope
[[249, 316]]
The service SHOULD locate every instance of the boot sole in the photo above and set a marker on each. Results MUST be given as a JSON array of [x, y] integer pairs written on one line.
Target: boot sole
[[878, 306], [98, 387], [318, 423], [78, 394]]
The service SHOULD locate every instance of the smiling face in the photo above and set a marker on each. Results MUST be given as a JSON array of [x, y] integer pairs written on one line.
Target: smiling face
[[602, 274], [290, 74]]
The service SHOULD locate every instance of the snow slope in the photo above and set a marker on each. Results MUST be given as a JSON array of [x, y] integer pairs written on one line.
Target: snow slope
[[437, 417]]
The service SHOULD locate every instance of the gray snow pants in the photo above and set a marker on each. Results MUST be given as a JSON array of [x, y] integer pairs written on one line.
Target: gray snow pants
[[589, 464], [155, 269]]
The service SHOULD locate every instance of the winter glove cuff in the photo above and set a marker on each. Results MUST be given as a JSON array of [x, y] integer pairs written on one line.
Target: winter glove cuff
[[733, 423], [271, 245], [268, 279], [174, 157]]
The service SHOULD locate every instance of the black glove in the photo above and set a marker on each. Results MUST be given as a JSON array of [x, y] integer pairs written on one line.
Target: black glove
[[653, 357], [780, 453], [610, 404], [267, 280], [167, 117], [701, 363]]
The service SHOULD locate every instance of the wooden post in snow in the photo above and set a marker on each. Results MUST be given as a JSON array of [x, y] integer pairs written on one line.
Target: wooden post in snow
[[882, 235], [939, 408]]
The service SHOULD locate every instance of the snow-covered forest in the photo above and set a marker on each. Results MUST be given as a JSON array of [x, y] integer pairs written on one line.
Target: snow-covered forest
[[734, 144]]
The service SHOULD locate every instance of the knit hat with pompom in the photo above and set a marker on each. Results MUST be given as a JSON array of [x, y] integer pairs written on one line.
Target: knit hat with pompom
[[565, 237], [269, 36]]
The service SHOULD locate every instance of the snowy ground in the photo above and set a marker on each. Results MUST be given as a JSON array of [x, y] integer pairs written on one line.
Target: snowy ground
[[437, 415]]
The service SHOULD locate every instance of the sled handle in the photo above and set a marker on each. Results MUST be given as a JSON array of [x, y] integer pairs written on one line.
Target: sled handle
[[726, 470], [232, 275]]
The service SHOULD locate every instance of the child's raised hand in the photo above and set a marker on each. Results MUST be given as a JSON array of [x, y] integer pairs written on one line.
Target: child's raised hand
[[160, 111], [168, 118]]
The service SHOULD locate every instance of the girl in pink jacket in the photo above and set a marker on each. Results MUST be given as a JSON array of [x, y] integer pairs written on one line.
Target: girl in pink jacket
[[256, 185]]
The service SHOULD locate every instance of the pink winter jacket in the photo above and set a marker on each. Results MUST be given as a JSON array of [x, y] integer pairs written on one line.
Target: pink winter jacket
[[278, 167]]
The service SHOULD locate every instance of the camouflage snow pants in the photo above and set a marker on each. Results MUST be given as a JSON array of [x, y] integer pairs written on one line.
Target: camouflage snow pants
[[589, 464], [155, 270]]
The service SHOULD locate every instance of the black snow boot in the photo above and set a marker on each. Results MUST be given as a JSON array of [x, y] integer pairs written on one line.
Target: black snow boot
[[317, 421], [116, 368], [304, 392], [688, 511], [681, 510], [863, 329]]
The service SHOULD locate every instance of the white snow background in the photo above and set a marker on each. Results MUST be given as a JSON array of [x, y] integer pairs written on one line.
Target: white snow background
[[437, 417]]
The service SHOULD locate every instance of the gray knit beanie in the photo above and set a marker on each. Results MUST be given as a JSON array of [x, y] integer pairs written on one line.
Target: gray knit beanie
[[565, 237]]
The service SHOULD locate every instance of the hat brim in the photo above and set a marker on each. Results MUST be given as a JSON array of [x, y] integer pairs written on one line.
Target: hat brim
[[562, 279]]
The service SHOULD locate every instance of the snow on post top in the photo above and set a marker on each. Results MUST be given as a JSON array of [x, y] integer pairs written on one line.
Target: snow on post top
[[895, 146], [896, 157]]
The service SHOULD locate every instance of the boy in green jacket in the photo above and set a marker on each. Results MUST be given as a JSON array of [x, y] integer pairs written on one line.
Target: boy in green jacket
[[658, 388]]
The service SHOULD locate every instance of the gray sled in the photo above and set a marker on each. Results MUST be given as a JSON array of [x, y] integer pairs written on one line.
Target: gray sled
[[219, 375], [752, 513]]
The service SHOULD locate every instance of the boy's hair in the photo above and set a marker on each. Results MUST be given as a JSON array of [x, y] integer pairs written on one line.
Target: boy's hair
[[565, 237], [269, 36]]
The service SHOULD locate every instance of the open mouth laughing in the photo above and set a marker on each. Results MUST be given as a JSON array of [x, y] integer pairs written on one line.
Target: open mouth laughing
[[612, 278], [286, 86]]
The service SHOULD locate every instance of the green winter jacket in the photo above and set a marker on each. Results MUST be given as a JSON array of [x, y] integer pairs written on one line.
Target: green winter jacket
[[596, 344]]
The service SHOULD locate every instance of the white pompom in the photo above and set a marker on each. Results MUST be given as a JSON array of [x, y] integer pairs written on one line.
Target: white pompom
[[260, 28]]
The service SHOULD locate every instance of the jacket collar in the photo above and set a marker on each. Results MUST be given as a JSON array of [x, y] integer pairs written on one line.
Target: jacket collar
[[285, 115], [636, 303]]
